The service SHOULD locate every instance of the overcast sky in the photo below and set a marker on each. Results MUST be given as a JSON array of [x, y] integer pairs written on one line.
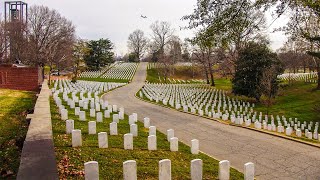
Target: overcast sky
[[116, 19]]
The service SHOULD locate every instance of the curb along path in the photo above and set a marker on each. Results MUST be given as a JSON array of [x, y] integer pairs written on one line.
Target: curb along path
[[38, 156], [274, 157]]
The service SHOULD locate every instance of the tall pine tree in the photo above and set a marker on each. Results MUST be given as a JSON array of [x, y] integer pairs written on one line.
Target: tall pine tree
[[100, 54]]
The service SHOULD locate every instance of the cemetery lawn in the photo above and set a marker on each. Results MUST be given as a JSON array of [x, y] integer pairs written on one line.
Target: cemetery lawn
[[14, 106], [296, 101], [104, 80], [70, 161]]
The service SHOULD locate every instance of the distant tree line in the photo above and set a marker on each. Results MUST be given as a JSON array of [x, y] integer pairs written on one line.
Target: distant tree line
[[48, 39]]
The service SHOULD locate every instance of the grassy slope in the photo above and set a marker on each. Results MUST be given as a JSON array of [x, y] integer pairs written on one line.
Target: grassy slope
[[14, 106], [111, 159], [296, 101], [152, 76]]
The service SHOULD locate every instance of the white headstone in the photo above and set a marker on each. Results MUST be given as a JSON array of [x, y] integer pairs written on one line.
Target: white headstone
[[82, 115], [298, 133], [72, 104], [107, 114], [130, 170], [195, 146], [224, 170], [64, 114], [170, 134], [131, 119], [146, 122], [103, 140], [165, 169], [76, 138], [134, 130], [128, 141], [91, 170], [115, 108], [98, 107], [69, 126], [92, 113], [309, 135], [85, 105], [288, 131], [113, 128], [110, 108], [121, 115], [115, 118], [76, 111], [152, 142], [152, 130], [99, 117], [174, 144], [249, 171], [135, 115], [196, 169], [92, 127]]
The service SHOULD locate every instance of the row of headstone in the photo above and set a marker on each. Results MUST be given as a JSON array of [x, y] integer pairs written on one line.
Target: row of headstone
[[307, 77], [196, 170], [128, 138], [92, 73], [124, 71], [240, 113]]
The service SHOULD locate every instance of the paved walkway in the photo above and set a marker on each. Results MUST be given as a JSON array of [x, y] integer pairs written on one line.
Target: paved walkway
[[274, 157], [38, 156]]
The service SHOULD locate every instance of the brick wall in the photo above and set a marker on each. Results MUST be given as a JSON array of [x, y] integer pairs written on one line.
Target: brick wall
[[20, 78]]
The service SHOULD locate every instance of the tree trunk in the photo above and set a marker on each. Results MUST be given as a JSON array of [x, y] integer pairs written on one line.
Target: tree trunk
[[207, 77], [318, 69], [212, 79], [211, 75], [49, 79]]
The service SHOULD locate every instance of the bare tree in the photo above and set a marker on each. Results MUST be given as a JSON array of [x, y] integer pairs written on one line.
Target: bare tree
[[3, 42], [51, 35], [137, 43], [206, 46], [162, 33], [268, 86], [304, 26], [199, 55], [175, 49], [80, 50]]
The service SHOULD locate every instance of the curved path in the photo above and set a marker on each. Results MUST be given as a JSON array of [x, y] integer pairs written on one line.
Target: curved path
[[274, 157]]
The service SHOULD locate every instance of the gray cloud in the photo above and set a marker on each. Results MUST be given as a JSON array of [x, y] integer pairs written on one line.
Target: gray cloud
[[116, 19]]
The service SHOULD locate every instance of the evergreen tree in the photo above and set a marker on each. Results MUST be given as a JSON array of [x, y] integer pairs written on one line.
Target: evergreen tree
[[253, 63], [100, 54]]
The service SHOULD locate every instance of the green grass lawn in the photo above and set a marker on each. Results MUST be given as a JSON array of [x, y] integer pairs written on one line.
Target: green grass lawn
[[152, 75], [296, 101], [223, 83], [14, 106], [71, 160]]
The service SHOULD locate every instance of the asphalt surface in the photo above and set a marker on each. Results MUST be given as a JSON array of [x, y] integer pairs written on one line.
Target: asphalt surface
[[274, 157]]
